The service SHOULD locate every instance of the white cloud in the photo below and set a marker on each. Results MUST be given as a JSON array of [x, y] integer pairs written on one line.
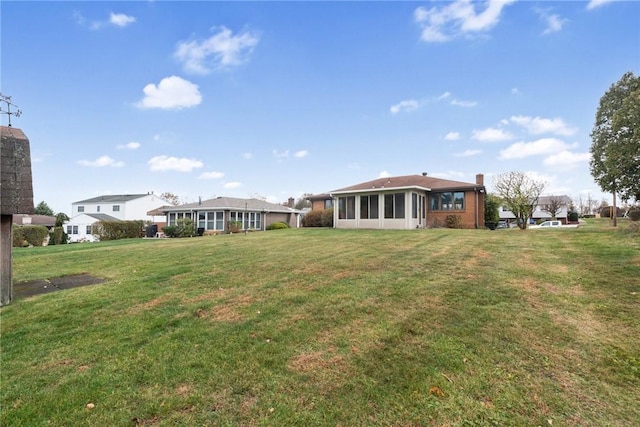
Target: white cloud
[[301, 154], [165, 163], [468, 153], [491, 135], [452, 136], [440, 24], [449, 175], [539, 125], [465, 104], [521, 149], [222, 50], [101, 162], [566, 159], [232, 185], [444, 96], [120, 19], [554, 23], [515, 91], [405, 106], [129, 146], [211, 175], [597, 3], [384, 174], [247, 156], [172, 93]]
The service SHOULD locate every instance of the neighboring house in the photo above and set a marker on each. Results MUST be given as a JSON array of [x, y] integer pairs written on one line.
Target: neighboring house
[[405, 202], [122, 207], [540, 213], [80, 227], [213, 215], [44, 220]]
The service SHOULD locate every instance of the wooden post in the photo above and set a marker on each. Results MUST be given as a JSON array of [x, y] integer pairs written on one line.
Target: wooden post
[[16, 196]]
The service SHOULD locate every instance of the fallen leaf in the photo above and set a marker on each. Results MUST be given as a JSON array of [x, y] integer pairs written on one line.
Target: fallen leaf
[[436, 391]]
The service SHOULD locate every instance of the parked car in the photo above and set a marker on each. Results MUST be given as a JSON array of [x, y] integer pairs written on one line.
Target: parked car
[[553, 224]]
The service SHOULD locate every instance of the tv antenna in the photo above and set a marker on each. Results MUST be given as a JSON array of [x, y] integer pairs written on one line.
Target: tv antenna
[[5, 101]]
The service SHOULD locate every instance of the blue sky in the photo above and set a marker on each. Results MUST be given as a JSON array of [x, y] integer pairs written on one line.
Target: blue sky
[[277, 99]]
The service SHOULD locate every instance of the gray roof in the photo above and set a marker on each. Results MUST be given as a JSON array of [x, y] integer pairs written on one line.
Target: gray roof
[[102, 217], [112, 198], [409, 181], [231, 203], [545, 200]]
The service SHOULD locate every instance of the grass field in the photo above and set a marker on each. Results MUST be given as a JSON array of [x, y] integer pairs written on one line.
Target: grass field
[[322, 327]]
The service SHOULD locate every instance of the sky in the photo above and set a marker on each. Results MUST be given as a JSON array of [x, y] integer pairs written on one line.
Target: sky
[[278, 99]]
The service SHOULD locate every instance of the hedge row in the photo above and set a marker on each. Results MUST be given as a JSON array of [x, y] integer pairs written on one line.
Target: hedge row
[[114, 230]]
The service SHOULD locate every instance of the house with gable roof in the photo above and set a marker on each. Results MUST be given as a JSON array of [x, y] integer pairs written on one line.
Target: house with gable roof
[[116, 207], [214, 215], [405, 202]]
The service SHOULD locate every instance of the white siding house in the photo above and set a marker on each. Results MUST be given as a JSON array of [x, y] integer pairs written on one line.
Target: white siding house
[[123, 207], [541, 209]]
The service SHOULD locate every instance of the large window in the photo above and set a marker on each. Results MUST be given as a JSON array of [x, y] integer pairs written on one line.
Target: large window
[[328, 203], [72, 229], [249, 220], [116, 208], [347, 207], [447, 201], [80, 208], [394, 205], [369, 207]]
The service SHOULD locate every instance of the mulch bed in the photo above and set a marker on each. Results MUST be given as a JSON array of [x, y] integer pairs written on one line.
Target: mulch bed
[[42, 286]]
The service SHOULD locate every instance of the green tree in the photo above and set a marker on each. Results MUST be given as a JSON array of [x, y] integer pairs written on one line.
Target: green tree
[[61, 218], [492, 209], [519, 193], [615, 148], [43, 209]]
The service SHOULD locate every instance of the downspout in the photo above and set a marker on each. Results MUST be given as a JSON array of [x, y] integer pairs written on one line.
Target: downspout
[[477, 213]]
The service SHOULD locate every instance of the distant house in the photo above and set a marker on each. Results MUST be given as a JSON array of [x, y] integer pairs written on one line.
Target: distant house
[[405, 202], [541, 211], [123, 207], [214, 215], [44, 220]]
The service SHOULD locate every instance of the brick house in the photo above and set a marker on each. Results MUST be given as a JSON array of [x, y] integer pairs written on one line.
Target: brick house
[[405, 202]]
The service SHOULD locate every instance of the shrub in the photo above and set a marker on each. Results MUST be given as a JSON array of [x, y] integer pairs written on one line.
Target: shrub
[[57, 236], [323, 218], [170, 231], [18, 238], [326, 218], [453, 221], [277, 226], [114, 230], [35, 235], [312, 219], [573, 216], [234, 226], [634, 213], [185, 227]]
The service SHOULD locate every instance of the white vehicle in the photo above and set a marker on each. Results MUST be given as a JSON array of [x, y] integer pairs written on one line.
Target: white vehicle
[[553, 224]]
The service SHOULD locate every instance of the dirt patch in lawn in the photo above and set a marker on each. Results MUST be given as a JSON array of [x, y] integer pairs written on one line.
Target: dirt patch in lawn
[[30, 288]]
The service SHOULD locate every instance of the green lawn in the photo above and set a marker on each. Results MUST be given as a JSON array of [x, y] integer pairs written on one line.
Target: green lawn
[[316, 327]]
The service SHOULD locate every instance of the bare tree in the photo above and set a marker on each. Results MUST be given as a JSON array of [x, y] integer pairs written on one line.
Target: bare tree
[[519, 193], [553, 206], [171, 198]]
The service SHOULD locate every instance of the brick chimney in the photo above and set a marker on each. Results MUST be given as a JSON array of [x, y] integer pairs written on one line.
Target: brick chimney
[[480, 179], [291, 202]]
